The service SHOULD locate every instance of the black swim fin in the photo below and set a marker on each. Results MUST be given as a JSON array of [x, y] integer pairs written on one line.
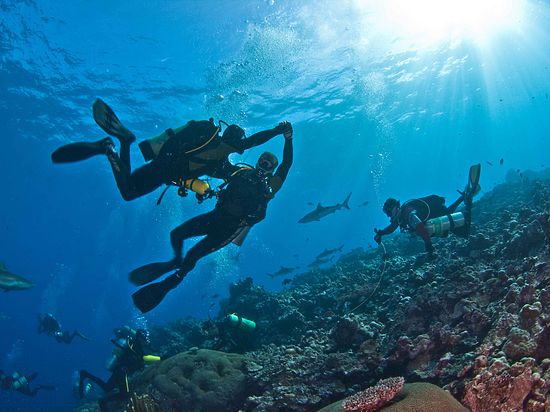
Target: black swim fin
[[473, 187], [149, 297], [152, 271], [76, 152], [473, 177], [106, 118]]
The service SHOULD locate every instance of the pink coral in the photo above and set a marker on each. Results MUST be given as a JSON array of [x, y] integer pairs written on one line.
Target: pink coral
[[373, 398]]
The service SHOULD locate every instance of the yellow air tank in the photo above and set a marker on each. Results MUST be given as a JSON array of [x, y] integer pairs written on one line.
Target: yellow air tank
[[196, 185]]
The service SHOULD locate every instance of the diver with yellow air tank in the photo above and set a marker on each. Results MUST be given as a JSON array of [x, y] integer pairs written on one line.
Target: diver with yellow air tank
[[129, 356], [241, 203], [175, 157]]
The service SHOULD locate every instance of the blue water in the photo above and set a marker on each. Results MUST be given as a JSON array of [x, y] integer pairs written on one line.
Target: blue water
[[376, 111]]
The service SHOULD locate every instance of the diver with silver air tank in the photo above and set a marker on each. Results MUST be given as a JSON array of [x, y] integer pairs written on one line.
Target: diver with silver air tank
[[429, 216], [441, 226]]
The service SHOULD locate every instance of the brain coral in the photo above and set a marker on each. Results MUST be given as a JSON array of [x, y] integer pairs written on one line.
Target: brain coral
[[202, 380]]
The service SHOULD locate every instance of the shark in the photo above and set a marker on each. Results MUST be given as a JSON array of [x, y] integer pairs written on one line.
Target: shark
[[10, 281], [322, 211], [281, 272], [328, 252], [319, 262]]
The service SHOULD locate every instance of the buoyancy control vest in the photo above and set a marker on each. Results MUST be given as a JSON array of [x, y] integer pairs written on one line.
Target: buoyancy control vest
[[427, 207], [192, 137], [246, 196]]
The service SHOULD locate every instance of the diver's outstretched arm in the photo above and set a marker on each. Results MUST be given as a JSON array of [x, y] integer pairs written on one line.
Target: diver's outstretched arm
[[282, 171], [263, 137]]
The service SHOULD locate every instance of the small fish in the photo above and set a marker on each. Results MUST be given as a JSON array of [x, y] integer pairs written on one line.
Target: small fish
[[286, 282], [10, 281], [283, 271], [501, 161], [365, 203], [310, 203], [215, 296], [328, 252], [517, 170], [489, 163], [322, 211], [4, 317]]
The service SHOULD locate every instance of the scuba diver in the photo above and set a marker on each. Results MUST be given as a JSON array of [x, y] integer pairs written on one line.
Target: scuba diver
[[241, 204], [129, 356], [428, 216], [177, 157], [49, 325], [21, 383]]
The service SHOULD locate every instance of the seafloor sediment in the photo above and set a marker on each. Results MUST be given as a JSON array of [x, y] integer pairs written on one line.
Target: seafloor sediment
[[474, 321]]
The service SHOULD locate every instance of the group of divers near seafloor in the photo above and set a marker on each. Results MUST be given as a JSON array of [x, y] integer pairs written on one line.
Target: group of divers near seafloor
[[186, 157]]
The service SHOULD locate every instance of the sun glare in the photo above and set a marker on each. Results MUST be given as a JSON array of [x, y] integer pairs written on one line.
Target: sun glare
[[428, 22]]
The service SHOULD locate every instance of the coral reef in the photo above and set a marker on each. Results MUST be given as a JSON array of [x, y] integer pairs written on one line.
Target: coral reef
[[475, 321]]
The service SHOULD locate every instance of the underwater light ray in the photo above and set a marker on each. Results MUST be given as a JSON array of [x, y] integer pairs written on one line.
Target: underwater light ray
[[427, 23]]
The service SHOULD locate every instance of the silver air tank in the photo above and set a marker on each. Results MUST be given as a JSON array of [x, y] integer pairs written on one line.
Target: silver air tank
[[440, 226]]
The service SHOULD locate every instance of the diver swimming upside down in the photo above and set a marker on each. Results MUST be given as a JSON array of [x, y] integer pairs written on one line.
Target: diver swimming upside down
[[241, 204]]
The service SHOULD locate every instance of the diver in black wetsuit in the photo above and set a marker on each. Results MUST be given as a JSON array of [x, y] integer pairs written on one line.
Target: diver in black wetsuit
[[241, 204], [188, 152], [413, 215], [129, 356], [21, 383], [49, 325]]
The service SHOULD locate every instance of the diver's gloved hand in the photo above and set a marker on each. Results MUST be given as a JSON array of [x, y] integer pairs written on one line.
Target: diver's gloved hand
[[378, 236], [285, 128]]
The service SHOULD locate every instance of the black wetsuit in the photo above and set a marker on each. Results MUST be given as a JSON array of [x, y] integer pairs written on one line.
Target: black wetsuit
[[128, 359], [173, 167], [414, 213], [243, 203], [49, 324], [20, 383]]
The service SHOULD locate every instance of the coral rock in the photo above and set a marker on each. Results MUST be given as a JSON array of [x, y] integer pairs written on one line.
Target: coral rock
[[519, 344], [498, 392]]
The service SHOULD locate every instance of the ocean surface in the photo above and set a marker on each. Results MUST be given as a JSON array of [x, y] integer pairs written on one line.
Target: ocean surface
[[386, 100]]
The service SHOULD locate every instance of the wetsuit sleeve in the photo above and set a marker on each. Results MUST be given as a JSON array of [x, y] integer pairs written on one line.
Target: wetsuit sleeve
[[390, 228], [257, 139], [282, 171]]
